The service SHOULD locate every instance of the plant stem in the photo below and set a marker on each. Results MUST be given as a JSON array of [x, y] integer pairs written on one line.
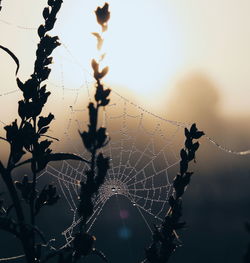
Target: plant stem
[[33, 195], [24, 232], [14, 196]]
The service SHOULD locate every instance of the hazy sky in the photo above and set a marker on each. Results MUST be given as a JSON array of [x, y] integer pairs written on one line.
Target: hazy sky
[[158, 50], [150, 45]]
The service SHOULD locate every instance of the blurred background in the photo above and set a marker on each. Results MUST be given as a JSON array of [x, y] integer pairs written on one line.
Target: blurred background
[[184, 61]]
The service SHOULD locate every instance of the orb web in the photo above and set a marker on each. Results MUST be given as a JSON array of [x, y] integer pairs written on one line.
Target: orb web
[[142, 152], [141, 149]]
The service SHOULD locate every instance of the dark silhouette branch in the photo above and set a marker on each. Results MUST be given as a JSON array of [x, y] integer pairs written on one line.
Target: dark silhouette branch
[[165, 237], [12, 56], [26, 138], [53, 157]]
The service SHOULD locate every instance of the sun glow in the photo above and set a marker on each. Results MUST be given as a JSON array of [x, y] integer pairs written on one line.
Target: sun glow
[[142, 46], [149, 46]]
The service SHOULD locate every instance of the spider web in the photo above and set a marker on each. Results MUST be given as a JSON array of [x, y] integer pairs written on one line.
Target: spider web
[[143, 152], [141, 157]]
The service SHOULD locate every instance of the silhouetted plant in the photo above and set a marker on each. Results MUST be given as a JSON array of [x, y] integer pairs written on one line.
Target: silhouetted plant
[[94, 138], [165, 237], [27, 137]]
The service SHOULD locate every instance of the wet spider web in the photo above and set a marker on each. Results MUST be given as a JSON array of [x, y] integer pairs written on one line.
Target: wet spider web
[[143, 149], [143, 153]]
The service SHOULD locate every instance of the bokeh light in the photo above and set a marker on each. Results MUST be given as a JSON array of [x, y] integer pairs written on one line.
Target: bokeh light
[[124, 233], [124, 214]]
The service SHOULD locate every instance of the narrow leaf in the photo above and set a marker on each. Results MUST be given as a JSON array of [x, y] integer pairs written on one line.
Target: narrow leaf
[[99, 40], [12, 55], [104, 72], [64, 156]]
